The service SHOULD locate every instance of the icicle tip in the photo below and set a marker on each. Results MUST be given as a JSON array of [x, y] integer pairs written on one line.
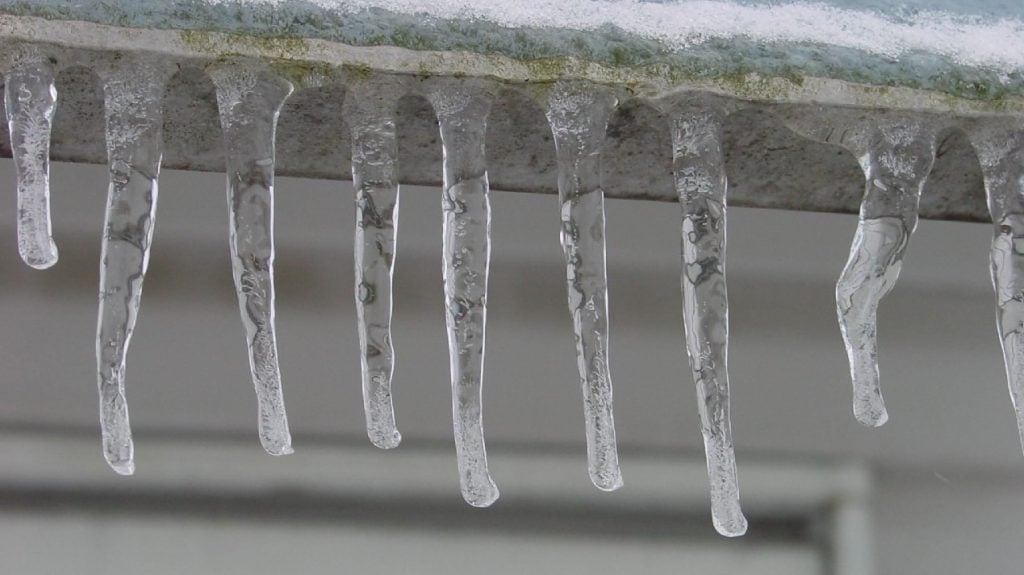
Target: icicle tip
[[385, 440], [733, 525], [607, 481], [121, 466], [484, 498], [871, 413], [37, 259], [277, 447]]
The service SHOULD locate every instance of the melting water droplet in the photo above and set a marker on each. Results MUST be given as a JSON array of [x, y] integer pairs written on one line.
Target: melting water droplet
[[374, 175], [896, 156], [462, 116], [250, 101], [133, 94], [700, 179], [31, 97], [579, 117], [1000, 150]]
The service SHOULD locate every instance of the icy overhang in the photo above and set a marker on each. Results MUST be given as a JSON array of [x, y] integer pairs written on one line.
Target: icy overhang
[[974, 49], [778, 59]]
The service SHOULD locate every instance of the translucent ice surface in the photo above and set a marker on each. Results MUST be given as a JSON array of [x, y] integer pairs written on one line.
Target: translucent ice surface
[[1000, 148], [699, 170], [462, 115], [375, 178], [133, 93], [30, 98], [896, 156], [578, 115], [250, 101]]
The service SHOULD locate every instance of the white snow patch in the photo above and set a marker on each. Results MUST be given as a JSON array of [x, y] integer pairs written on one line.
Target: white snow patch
[[684, 23]]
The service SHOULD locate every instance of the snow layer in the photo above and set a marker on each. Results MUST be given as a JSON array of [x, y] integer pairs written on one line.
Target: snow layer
[[967, 39]]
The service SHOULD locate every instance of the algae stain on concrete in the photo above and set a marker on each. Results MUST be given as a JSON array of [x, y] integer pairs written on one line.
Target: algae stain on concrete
[[291, 58], [221, 44]]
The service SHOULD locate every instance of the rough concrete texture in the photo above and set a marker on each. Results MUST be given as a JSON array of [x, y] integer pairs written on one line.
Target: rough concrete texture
[[940, 45], [769, 165]]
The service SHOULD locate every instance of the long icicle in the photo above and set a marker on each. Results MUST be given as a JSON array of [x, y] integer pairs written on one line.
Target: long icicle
[[31, 97], [133, 94], [896, 156], [250, 101], [1000, 149], [700, 179], [579, 117], [375, 177], [467, 250]]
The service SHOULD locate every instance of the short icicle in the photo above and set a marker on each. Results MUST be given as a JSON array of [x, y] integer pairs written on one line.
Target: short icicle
[[700, 180], [250, 100], [896, 156], [1000, 147], [462, 115], [30, 98], [375, 177], [578, 115], [133, 94]]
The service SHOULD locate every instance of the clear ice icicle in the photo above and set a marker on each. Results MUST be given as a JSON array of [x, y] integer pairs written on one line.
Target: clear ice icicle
[[578, 116], [1000, 148], [374, 175], [250, 101], [896, 156], [133, 94], [30, 97], [700, 180], [462, 116]]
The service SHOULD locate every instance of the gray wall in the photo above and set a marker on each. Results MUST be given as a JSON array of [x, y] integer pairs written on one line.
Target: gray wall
[[949, 470]]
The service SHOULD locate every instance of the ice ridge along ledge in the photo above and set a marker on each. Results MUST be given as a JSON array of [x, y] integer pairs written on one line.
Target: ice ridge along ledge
[[937, 45]]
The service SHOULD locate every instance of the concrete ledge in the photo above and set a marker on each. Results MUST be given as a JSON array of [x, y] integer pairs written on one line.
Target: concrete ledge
[[769, 166]]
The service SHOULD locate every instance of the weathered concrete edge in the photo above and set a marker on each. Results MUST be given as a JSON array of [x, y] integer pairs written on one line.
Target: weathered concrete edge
[[763, 155]]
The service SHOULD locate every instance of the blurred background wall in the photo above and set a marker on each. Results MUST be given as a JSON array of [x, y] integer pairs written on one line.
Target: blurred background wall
[[939, 489]]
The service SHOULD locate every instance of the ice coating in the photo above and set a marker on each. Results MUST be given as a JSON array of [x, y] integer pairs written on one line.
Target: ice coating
[[30, 98], [462, 115], [250, 101], [700, 180], [896, 156], [375, 178], [578, 115], [1000, 148], [959, 31], [133, 93]]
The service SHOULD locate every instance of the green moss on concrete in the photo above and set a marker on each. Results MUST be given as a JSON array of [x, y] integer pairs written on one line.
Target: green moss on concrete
[[358, 71], [232, 44], [281, 31]]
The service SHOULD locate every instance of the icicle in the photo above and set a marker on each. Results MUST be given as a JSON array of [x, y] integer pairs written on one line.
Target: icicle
[[700, 179], [896, 157], [467, 250], [579, 116], [249, 102], [134, 124], [374, 175], [30, 98], [1000, 147]]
